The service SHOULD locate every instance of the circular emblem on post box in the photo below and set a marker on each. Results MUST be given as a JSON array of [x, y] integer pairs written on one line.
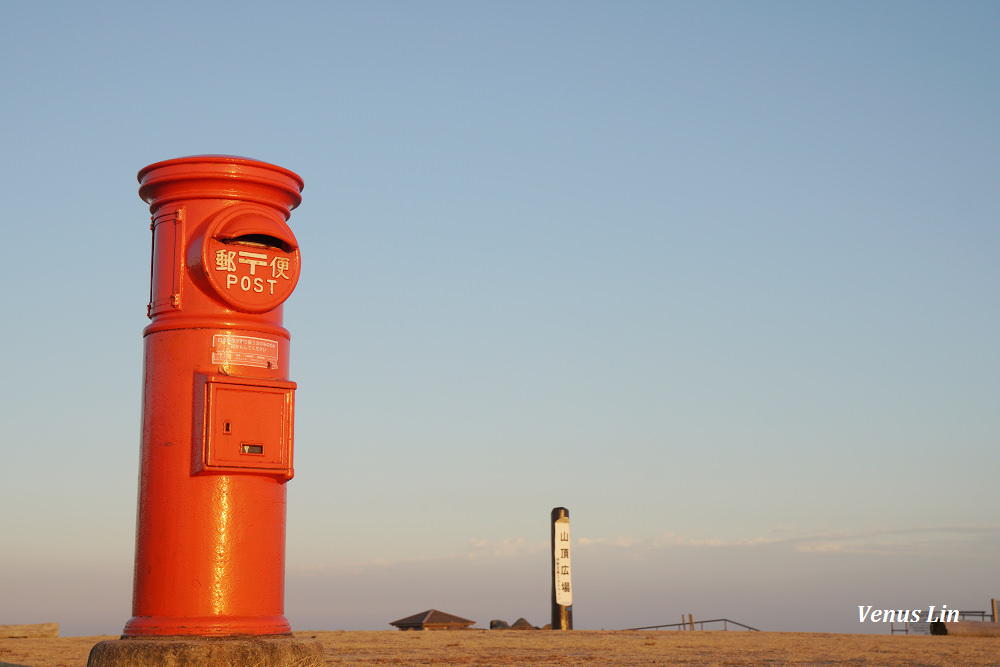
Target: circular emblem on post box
[[251, 258]]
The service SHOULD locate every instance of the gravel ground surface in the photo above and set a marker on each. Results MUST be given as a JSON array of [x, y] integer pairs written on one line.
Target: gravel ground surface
[[584, 647]]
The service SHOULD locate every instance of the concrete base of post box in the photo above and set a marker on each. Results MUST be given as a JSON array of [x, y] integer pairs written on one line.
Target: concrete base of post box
[[207, 651]]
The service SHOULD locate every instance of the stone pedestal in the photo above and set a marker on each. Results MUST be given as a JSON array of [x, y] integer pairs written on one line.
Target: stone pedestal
[[266, 651]]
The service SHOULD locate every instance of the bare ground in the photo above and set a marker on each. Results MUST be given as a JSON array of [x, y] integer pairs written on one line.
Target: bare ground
[[584, 647]]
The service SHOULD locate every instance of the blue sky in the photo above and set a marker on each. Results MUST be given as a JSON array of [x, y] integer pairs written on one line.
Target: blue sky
[[720, 277]]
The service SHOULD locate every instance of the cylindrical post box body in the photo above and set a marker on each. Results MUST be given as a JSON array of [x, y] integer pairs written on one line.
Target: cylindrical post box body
[[218, 407]]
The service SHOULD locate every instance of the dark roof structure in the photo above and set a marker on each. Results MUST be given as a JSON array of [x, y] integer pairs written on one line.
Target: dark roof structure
[[432, 619], [522, 624]]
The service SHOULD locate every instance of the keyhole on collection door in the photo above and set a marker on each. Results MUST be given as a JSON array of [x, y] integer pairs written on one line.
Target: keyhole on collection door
[[227, 427]]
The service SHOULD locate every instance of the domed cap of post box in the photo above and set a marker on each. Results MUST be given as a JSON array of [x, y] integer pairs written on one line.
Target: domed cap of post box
[[220, 177]]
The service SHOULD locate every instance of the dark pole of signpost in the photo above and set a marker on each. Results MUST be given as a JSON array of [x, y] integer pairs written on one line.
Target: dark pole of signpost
[[562, 591]]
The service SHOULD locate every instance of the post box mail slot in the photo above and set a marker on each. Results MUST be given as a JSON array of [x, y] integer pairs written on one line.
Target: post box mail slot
[[244, 425], [251, 258]]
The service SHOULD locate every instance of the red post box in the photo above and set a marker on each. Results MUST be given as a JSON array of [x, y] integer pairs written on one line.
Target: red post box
[[218, 407], [217, 420]]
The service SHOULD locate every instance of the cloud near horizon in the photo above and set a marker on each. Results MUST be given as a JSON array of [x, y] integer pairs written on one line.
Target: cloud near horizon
[[876, 542], [892, 542], [884, 541]]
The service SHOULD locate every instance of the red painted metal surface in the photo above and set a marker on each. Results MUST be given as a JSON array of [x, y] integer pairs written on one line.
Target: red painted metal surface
[[218, 408]]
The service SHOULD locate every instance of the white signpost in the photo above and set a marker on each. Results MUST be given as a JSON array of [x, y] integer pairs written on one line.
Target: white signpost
[[562, 578]]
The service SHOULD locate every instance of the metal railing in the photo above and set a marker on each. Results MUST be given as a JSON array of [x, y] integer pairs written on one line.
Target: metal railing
[[685, 626]]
